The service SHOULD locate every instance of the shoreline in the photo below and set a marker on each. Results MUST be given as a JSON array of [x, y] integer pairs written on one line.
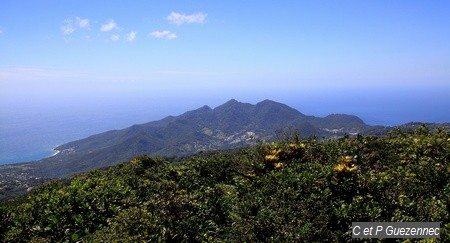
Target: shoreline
[[55, 153], [34, 158]]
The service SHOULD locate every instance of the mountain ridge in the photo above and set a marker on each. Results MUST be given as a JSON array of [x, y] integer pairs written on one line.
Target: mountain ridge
[[231, 125]]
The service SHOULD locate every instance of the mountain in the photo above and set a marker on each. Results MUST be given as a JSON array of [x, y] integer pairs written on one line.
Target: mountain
[[228, 126], [231, 125]]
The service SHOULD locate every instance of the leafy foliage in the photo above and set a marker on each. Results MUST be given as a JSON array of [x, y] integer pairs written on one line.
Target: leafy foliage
[[291, 190]]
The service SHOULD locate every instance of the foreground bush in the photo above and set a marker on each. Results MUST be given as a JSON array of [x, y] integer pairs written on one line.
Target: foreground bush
[[290, 190]]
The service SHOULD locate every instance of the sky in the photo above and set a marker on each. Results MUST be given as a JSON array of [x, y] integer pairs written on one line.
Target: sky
[[53, 51]]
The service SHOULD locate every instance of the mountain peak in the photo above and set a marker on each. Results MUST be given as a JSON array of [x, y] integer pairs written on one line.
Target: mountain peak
[[202, 110], [340, 120], [267, 101], [231, 102], [276, 107]]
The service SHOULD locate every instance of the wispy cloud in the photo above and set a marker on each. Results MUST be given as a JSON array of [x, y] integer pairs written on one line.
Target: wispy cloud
[[165, 34], [108, 26], [82, 23], [67, 28], [1, 32], [131, 36], [115, 37], [70, 25], [180, 18]]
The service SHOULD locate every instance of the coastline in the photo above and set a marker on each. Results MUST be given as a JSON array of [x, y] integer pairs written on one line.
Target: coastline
[[55, 153], [29, 158]]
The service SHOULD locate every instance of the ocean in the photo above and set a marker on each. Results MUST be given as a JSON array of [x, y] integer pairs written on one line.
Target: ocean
[[30, 129]]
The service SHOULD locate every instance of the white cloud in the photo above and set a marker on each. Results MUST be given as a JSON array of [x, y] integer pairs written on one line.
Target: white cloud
[[67, 28], [82, 23], [70, 25], [131, 36], [165, 34], [179, 18], [110, 25], [115, 37]]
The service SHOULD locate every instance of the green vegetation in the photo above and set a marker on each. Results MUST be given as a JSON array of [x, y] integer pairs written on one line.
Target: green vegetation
[[290, 190]]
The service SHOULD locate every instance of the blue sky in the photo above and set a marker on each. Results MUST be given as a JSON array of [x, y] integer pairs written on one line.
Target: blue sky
[[52, 49]]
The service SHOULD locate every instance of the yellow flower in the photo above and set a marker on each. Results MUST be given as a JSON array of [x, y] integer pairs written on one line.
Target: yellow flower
[[297, 146], [347, 159], [276, 151], [278, 166], [344, 167], [271, 157], [354, 168], [292, 145], [340, 167]]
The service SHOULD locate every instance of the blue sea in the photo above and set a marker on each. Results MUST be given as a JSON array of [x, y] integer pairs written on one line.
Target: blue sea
[[30, 127], [31, 130]]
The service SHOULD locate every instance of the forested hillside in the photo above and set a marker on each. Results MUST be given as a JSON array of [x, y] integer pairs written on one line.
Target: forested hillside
[[292, 190], [231, 125]]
